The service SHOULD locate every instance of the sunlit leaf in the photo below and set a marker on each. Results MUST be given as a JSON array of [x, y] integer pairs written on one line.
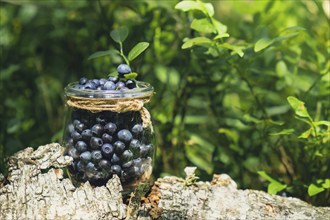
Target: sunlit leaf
[[131, 75], [326, 184], [284, 132], [275, 187], [137, 50], [314, 189], [307, 133], [196, 41], [299, 107], [262, 44], [206, 8]]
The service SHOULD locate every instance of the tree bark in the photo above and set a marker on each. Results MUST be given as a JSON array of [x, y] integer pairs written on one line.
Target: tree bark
[[36, 188]]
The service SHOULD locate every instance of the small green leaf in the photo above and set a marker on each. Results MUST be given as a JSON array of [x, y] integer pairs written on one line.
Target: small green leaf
[[187, 6], [196, 41], [235, 48], [266, 176], [299, 107], [284, 132], [262, 44], [203, 25], [100, 54], [221, 29], [326, 184], [314, 189], [137, 50], [131, 75], [119, 35], [275, 187], [206, 8], [307, 133]]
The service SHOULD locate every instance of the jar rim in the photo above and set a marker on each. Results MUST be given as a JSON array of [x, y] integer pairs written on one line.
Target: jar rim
[[143, 89]]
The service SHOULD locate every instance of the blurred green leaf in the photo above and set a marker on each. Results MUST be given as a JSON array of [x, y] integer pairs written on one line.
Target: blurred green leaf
[[137, 50], [131, 75], [101, 54], [274, 187], [203, 25], [119, 35], [284, 132]]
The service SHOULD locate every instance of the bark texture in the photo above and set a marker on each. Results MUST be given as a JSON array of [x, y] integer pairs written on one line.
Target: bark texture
[[36, 189]]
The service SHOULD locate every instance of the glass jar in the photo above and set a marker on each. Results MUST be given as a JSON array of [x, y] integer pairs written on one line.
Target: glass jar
[[109, 133]]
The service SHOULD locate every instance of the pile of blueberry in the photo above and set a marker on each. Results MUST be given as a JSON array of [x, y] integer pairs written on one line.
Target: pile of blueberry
[[107, 143], [112, 83]]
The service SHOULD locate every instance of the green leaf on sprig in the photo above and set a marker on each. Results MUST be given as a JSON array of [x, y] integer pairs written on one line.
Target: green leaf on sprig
[[137, 50], [101, 54], [131, 75], [299, 107], [119, 35]]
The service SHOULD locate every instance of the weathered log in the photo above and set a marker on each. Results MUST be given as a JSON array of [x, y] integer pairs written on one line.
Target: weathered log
[[37, 189]]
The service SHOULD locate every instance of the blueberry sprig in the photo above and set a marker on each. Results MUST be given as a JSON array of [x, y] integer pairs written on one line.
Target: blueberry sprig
[[124, 70]]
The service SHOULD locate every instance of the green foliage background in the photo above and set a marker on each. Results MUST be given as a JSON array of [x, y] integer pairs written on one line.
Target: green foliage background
[[220, 104]]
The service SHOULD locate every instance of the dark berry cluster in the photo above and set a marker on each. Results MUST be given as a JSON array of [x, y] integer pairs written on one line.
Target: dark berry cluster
[[107, 143], [112, 83]]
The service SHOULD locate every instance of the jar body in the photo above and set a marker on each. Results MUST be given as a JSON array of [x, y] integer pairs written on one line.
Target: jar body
[[106, 143], [107, 134]]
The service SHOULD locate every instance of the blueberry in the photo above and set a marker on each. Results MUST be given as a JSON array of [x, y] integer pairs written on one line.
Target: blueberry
[[127, 155], [145, 150], [127, 165], [105, 165], [80, 166], [85, 156], [90, 170], [97, 130], [130, 84], [115, 159], [107, 138], [83, 80], [81, 146], [110, 128], [116, 169], [70, 128], [96, 155], [134, 146], [96, 82], [96, 143], [113, 79], [86, 134], [76, 122], [80, 127], [109, 85], [102, 81], [119, 147], [107, 150], [69, 142], [73, 152], [90, 85], [137, 129], [125, 135], [137, 162], [123, 69], [119, 85]]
